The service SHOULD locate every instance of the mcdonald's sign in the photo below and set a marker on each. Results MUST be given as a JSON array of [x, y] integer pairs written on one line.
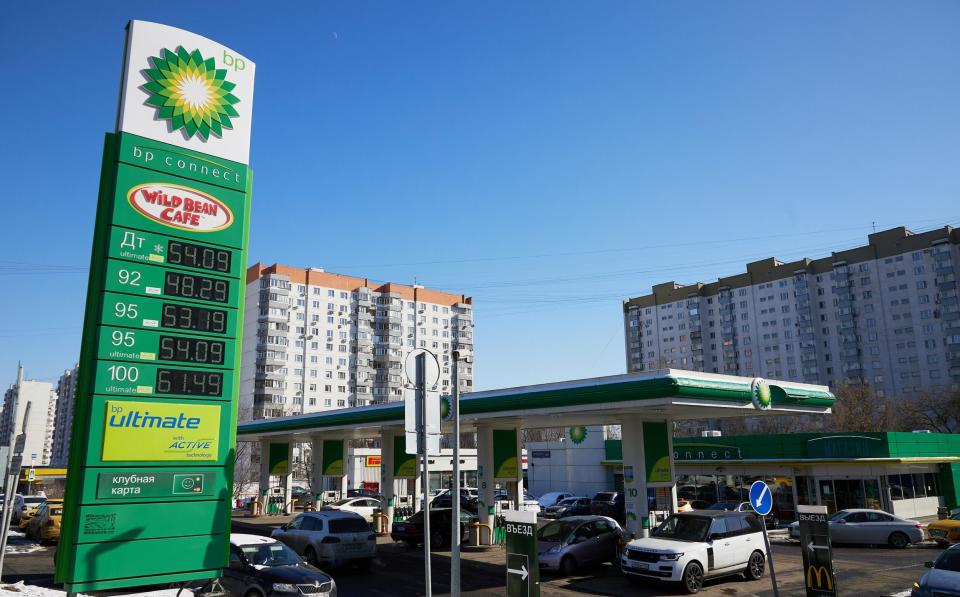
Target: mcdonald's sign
[[822, 576]]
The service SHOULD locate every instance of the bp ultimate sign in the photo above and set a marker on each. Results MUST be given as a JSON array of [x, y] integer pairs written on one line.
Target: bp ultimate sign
[[154, 430]]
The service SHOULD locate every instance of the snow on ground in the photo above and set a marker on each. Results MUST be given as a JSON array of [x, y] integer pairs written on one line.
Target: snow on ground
[[17, 542], [22, 590]]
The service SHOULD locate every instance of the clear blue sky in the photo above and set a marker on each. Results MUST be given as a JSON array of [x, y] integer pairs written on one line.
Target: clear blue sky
[[548, 158]]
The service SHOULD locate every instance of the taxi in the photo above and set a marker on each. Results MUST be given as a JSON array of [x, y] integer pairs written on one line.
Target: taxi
[[27, 515], [945, 531], [45, 524]]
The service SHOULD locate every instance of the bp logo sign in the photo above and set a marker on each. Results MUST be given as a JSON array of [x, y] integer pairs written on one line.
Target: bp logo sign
[[446, 408], [760, 394], [190, 93], [578, 434]]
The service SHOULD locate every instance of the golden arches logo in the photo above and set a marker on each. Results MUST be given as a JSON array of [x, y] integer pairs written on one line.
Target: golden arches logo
[[822, 574]]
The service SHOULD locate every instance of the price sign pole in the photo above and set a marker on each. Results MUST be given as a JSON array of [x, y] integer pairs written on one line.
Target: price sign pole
[[154, 429], [761, 499]]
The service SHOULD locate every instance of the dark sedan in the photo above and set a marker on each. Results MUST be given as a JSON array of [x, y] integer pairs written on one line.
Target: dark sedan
[[610, 504], [264, 566], [410, 531], [573, 506]]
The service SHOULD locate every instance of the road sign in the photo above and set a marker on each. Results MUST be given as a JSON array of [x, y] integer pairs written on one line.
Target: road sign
[[426, 398], [31, 475], [818, 573], [523, 566], [761, 498], [157, 388]]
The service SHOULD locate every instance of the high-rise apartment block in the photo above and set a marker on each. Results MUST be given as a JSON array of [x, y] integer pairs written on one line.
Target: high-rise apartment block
[[63, 419], [885, 314], [41, 399], [317, 341]]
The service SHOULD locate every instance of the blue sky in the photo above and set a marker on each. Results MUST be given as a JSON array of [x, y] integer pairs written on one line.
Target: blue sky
[[548, 158]]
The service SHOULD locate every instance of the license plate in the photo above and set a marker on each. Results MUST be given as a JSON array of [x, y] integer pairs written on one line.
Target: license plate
[[352, 546], [938, 533], [638, 565]]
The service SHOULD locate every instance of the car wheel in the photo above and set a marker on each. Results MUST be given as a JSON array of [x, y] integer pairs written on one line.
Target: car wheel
[[692, 579], [311, 557], [755, 566], [568, 566], [899, 540]]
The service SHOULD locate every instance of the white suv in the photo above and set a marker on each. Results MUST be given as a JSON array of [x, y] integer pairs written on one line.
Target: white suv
[[691, 546]]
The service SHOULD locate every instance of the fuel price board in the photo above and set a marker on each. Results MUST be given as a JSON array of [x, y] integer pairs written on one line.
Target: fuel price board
[[154, 429]]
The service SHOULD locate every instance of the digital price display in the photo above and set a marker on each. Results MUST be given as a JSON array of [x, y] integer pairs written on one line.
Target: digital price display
[[153, 248], [125, 344], [188, 382], [153, 280], [196, 287], [141, 312], [199, 256]]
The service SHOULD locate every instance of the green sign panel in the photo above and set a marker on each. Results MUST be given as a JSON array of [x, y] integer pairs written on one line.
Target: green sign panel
[[506, 465], [148, 496], [279, 459], [656, 454], [523, 567], [404, 465], [332, 458]]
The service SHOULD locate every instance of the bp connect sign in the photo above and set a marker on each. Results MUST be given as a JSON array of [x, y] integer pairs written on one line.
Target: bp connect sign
[[186, 90]]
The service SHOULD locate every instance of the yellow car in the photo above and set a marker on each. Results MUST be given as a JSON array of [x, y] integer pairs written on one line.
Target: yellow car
[[27, 515], [945, 531], [45, 524]]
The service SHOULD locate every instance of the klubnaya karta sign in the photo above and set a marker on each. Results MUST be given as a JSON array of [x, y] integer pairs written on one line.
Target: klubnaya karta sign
[[154, 429]]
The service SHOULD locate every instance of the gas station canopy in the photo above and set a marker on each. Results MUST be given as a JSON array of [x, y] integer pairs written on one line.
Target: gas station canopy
[[667, 394]]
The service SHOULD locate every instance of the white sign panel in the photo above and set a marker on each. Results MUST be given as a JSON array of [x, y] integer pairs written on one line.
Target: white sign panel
[[186, 90]]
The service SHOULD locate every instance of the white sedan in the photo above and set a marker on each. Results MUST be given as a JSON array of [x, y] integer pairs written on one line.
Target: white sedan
[[363, 506], [874, 527]]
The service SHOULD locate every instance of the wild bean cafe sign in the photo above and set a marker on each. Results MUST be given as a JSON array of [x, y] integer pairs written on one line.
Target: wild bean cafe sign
[[154, 431]]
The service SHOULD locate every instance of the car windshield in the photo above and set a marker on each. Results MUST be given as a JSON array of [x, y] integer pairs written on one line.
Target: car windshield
[[838, 516], [270, 554], [557, 531], [348, 525], [569, 502], [949, 560], [343, 502], [683, 528]]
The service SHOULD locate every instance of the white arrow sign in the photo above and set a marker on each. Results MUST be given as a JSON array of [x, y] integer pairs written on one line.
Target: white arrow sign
[[762, 494], [812, 546], [522, 572]]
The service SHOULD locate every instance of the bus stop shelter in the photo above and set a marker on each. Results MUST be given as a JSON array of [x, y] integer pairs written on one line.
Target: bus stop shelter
[[644, 404]]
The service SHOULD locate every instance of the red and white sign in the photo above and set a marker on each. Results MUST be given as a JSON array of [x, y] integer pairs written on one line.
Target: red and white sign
[[180, 207], [373, 461]]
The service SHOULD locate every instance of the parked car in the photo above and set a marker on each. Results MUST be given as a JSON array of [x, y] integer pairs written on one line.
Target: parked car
[[689, 547], [945, 531], [568, 544], [870, 526], [302, 495], [265, 566], [610, 504], [45, 524], [552, 498], [772, 519], [444, 499], [363, 506], [22, 504], [410, 531], [943, 577], [572, 506], [329, 538], [530, 502], [364, 492]]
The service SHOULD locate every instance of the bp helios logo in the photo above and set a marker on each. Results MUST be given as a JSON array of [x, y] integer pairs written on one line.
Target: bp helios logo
[[191, 93], [760, 394], [180, 207], [577, 434]]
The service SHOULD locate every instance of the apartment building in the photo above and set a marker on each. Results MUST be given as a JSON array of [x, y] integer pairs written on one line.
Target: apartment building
[[63, 418], [42, 401], [885, 313], [316, 341]]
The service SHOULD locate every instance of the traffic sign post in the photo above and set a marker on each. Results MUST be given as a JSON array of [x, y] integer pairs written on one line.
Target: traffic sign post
[[154, 429], [761, 500], [819, 577], [523, 565]]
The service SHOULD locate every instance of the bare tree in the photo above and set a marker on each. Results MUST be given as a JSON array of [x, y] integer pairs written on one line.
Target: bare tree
[[858, 408], [245, 471], [936, 411]]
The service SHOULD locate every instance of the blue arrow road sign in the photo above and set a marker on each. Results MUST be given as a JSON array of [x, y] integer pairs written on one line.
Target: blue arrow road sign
[[761, 498]]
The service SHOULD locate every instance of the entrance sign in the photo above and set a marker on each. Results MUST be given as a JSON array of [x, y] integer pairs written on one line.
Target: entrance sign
[[154, 430], [818, 573], [523, 565]]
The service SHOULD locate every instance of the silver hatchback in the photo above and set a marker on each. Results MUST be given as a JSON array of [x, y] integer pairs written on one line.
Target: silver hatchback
[[567, 544]]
